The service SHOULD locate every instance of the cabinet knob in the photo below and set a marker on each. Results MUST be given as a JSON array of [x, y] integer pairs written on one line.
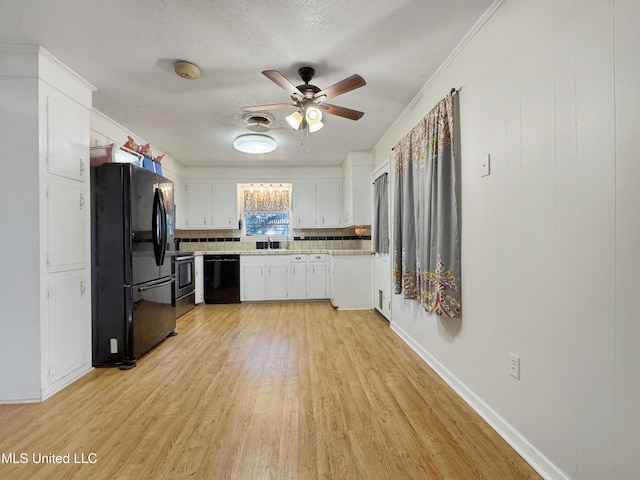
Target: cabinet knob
[[83, 289], [81, 201]]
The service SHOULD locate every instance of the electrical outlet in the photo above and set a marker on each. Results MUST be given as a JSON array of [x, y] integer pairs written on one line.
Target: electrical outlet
[[514, 366]]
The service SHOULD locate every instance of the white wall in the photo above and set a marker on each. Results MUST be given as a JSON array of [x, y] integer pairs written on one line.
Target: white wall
[[20, 239], [105, 131], [550, 88]]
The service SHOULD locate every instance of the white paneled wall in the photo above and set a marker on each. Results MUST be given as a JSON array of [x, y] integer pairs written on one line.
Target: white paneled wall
[[551, 239]]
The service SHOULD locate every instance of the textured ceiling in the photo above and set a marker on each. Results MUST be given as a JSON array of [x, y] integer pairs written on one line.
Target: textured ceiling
[[127, 49]]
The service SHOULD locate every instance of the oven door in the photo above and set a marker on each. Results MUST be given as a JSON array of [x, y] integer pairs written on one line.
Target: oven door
[[184, 271]]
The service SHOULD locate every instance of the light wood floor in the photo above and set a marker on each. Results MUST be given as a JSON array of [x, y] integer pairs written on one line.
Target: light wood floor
[[262, 391]]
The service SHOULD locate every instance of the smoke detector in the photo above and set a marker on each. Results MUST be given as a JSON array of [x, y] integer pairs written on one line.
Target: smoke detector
[[187, 70], [258, 122]]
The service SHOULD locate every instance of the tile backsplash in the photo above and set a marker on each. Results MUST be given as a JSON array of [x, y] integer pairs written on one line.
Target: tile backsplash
[[302, 239]]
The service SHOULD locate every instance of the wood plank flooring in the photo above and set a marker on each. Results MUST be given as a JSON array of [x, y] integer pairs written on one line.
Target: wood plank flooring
[[261, 391]]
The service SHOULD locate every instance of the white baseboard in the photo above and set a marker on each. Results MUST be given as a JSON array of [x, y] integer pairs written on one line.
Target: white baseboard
[[540, 463]]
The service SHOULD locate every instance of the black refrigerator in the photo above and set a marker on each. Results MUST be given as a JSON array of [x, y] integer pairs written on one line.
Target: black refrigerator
[[132, 222]]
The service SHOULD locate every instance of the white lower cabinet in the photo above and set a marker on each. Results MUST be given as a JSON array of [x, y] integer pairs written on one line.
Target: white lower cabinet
[[277, 277], [316, 276], [283, 277], [254, 283], [264, 277], [298, 285], [68, 328], [350, 279], [344, 279]]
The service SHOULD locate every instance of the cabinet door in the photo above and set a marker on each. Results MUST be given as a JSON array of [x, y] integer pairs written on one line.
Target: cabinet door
[[67, 219], [277, 282], [329, 205], [67, 138], [347, 199], [199, 290], [361, 196], [298, 280], [254, 283], [304, 205], [317, 287], [180, 203], [225, 211], [199, 202], [69, 325]]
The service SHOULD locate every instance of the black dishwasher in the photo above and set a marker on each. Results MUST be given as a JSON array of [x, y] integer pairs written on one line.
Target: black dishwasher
[[222, 279]]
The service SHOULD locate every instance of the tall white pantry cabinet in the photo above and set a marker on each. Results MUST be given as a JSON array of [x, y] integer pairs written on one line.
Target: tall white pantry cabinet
[[45, 249]]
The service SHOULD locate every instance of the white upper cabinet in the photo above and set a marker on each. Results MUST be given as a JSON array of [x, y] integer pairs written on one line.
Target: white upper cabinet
[[328, 204], [225, 210], [180, 203], [316, 204], [199, 205], [357, 190], [304, 205], [212, 206], [67, 137]]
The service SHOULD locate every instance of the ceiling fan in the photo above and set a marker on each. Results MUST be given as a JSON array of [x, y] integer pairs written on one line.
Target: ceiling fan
[[309, 100]]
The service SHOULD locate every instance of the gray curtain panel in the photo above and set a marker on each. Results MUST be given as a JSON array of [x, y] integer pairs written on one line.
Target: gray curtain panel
[[381, 214], [426, 257]]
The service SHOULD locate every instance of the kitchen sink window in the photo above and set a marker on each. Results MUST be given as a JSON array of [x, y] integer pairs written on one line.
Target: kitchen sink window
[[267, 209]]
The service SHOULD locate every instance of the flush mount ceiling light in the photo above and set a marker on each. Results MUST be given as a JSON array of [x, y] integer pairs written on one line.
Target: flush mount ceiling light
[[187, 70], [255, 143]]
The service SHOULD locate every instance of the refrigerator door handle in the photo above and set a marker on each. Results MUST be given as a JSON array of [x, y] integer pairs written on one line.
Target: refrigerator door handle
[[159, 228], [165, 233], [155, 284]]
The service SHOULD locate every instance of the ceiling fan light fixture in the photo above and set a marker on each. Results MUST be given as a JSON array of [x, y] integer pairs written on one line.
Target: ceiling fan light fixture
[[295, 119], [255, 143], [313, 114], [314, 127]]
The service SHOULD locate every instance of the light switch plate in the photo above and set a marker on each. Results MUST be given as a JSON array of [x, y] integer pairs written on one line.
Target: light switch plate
[[485, 168]]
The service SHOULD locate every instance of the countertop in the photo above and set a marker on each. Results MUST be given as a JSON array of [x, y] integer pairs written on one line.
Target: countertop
[[284, 252]]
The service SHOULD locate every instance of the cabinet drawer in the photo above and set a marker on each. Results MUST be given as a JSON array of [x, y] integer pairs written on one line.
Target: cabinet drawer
[[298, 259], [317, 257]]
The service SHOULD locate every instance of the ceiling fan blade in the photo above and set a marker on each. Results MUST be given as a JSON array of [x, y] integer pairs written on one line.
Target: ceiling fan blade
[[341, 111], [280, 80], [343, 86], [261, 108]]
